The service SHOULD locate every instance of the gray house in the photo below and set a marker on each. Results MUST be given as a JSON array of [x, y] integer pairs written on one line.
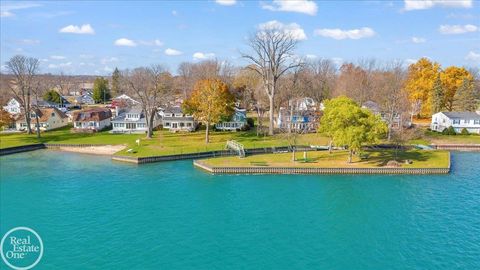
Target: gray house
[[174, 119], [132, 120]]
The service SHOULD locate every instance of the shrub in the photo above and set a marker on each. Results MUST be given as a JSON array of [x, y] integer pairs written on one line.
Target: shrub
[[464, 132], [250, 122], [449, 131]]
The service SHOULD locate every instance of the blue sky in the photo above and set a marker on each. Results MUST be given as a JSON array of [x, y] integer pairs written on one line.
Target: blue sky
[[94, 37]]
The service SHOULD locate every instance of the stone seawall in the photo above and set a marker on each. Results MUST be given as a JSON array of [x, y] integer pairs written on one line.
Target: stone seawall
[[20, 149], [292, 170], [457, 147]]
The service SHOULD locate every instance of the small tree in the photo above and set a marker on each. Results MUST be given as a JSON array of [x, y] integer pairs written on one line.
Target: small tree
[[52, 96], [464, 131], [449, 131], [350, 125], [100, 90], [5, 119], [116, 82], [209, 102]]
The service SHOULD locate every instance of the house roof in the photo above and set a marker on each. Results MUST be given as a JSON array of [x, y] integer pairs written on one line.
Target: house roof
[[44, 114], [93, 114], [183, 118], [174, 110], [462, 115]]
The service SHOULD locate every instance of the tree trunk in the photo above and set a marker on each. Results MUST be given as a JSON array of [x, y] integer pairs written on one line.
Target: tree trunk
[[207, 132], [270, 115], [28, 121], [350, 155], [293, 154], [150, 118], [330, 147], [38, 126], [259, 121], [290, 119]]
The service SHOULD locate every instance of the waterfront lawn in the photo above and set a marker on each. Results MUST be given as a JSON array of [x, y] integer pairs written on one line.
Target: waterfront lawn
[[167, 143], [163, 142], [63, 135], [322, 159], [439, 138]]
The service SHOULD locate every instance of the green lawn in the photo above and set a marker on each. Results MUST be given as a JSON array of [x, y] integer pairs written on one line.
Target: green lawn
[[322, 159], [439, 138], [163, 142], [64, 135], [167, 143]]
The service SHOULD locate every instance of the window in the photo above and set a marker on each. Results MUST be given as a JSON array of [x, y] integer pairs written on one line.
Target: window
[[466, 121], [53, 114], [167, 124], [477, 122], [182, 124], [456, 121], [189, 124]]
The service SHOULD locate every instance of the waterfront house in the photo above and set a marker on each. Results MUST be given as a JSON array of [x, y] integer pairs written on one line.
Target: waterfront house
[[85, 99], [375, 108], [457, 120], [237, 122], [93, 119], [174, 119], [49, 118], [301, 115], [13, 106], [131, 120]]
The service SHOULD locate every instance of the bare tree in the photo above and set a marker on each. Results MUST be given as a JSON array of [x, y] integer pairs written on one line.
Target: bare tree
[[24, 69], [320, 76], [272, 56], [152, 86], [390, 94], [185, 72]]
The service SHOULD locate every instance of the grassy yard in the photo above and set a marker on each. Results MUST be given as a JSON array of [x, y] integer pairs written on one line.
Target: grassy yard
[[64, 135], [322, 159], [439, 138], [163, 142], [167, 143]]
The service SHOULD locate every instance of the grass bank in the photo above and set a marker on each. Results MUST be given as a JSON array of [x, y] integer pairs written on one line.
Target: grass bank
[[338, 159], [163, 142]]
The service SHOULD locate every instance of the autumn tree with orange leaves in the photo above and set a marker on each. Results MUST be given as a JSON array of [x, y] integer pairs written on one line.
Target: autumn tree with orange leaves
[[210, 102]]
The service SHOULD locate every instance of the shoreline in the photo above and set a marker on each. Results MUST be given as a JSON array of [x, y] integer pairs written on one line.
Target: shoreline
[[101, 150]]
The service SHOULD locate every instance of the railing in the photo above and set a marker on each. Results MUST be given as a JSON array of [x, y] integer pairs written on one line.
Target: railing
[[236, 146]]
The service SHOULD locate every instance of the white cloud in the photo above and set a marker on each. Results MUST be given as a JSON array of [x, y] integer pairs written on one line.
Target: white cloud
[[86, 56], [172, 52], [457, 29], [75, 29], [418, 40], [410, 61], [427, 4], [107, 69], [125, 42], [106, 60], [57, 57], [226, 2], [174, 13], [301, 6], [473, 56], [292, 29], [5, 13], [7, 7], [337, 61], [364, 32], [311, 56], [201, 55], [155, 42], [61, 65]]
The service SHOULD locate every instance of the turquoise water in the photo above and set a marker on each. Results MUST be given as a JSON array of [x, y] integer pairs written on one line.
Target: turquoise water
[[95, 213]]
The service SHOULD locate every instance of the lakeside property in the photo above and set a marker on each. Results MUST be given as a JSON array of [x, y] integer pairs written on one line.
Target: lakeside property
[[322, 159]]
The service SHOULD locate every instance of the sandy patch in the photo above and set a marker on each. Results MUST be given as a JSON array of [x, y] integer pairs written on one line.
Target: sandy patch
[[95, 150]]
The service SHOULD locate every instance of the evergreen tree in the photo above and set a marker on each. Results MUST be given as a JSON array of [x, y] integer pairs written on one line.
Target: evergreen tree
[[100, 90], [464, 99], [438, 96], [116, 82], [52, 96]]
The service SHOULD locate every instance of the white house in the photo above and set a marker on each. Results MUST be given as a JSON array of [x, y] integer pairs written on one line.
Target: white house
[[131, 121], [301, 115], [457, 120], [237, 122], [48, 118], [13, 106], [94, 119], [174, 119]]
